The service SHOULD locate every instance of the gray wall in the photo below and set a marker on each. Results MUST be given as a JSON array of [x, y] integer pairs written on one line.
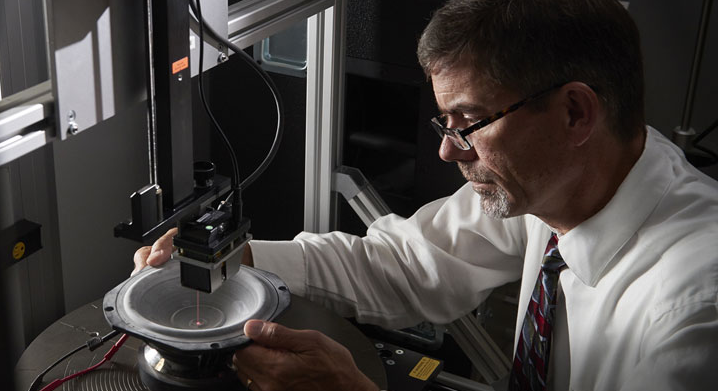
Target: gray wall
[[30, 292], [98, 52], [96, 171], [23, 58]]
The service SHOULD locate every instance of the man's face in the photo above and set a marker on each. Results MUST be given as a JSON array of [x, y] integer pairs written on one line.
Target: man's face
[[514, 160]]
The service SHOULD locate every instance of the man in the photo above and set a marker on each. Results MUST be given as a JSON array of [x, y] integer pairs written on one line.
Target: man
[[542, 109]]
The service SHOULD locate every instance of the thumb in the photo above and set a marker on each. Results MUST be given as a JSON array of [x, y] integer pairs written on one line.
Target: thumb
[[276, 336]]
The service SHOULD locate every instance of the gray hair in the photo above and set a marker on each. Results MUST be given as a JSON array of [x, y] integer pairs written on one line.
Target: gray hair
[[529, 45]]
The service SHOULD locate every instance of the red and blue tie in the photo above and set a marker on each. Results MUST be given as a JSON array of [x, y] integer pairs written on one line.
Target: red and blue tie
[[532, 352]]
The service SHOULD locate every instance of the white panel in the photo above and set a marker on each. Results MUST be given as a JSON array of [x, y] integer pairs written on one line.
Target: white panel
[[325, 59], [107, 92], [21, 145], [13, 121]]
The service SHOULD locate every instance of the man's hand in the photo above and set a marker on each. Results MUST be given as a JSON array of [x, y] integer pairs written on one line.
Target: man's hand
[[285, 359], [154, 255]]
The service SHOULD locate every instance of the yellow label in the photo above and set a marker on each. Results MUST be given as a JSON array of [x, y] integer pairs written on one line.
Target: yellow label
[[19, 250], [424, 368]]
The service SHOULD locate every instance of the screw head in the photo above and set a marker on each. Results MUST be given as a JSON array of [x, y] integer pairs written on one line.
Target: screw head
[[379, 346], [399, 351], [222, 57], [390, 362], [72, 128]]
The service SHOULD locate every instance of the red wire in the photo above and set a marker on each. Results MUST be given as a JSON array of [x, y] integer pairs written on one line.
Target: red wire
[[56, 383]]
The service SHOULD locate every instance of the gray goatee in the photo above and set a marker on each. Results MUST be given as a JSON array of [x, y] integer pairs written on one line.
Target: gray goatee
[[494, 203]]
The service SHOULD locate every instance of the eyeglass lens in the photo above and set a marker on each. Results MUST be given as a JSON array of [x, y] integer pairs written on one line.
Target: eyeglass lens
[[439, 125]]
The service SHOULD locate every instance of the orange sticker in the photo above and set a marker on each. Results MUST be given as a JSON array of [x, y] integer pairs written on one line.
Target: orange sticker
[[180, 65]]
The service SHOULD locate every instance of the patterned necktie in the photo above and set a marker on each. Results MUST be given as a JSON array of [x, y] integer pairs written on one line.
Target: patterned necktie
[[532, 352]]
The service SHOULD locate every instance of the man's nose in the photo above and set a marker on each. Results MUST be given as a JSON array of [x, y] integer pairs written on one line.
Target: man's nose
[[449, 152]]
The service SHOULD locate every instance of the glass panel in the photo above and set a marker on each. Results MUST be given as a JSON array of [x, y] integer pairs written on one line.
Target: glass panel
[[286, 51]]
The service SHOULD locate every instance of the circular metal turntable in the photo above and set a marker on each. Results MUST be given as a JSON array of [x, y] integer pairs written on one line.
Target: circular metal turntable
[[123, 372]]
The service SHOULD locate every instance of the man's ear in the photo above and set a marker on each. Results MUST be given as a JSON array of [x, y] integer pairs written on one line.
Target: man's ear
[[582, 109]]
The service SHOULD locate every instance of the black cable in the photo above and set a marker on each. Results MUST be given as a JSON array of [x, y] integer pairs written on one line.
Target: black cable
[[706, 132], [91, 344], [701, 136], [710, 153], [270, 84], [236, 185]]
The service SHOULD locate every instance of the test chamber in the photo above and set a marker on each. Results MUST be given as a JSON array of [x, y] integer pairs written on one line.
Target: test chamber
[[98, 75], [33, 123]]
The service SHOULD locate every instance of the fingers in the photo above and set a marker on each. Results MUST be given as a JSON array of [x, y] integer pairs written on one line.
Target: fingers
[[162, 249], [247, 258], [273, 335], [156, 254], [140, 259], [252, 385], [303, 360], [244, 379]]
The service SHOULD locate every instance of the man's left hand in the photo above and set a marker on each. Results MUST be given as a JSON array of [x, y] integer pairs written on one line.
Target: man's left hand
[[285, 359]]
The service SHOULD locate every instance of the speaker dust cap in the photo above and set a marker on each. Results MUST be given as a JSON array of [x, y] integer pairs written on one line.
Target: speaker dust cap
[[155, 307]]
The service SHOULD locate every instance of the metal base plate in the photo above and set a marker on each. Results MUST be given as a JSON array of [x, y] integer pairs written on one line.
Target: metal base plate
[[121, 374]]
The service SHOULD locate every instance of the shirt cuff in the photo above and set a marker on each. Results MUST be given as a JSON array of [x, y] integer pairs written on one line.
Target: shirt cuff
[[283, 258]]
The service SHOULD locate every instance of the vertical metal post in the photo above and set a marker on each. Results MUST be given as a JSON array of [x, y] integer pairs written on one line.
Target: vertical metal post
[[151, 103], [683, 135], [173, 96], [325, 99], [696, 66]]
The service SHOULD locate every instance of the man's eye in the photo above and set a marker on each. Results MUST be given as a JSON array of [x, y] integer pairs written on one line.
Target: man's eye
[[458, 120], [467, 120]]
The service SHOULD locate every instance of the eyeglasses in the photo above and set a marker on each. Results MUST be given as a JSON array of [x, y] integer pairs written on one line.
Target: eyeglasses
[[458, 136]]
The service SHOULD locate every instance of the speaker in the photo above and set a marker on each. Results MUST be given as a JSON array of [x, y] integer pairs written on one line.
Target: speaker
[[190, 336], [154, 307]]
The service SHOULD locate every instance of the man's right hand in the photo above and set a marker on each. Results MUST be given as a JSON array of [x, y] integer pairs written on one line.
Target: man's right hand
[[281, 358], [154, 255]]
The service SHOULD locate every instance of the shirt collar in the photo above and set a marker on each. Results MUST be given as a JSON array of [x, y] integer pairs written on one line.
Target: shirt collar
[[590, 247]]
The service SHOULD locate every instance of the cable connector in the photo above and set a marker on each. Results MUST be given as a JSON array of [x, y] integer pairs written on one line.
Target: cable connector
[[58, 382], [94, 343]]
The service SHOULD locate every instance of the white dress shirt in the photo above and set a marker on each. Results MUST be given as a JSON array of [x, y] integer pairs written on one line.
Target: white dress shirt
[[639, 302]]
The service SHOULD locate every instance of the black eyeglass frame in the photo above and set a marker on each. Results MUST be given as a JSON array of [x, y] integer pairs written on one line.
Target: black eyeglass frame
[[457, 136]]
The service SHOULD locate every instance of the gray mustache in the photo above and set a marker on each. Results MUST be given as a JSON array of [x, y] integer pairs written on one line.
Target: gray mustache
[[473, 175]]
